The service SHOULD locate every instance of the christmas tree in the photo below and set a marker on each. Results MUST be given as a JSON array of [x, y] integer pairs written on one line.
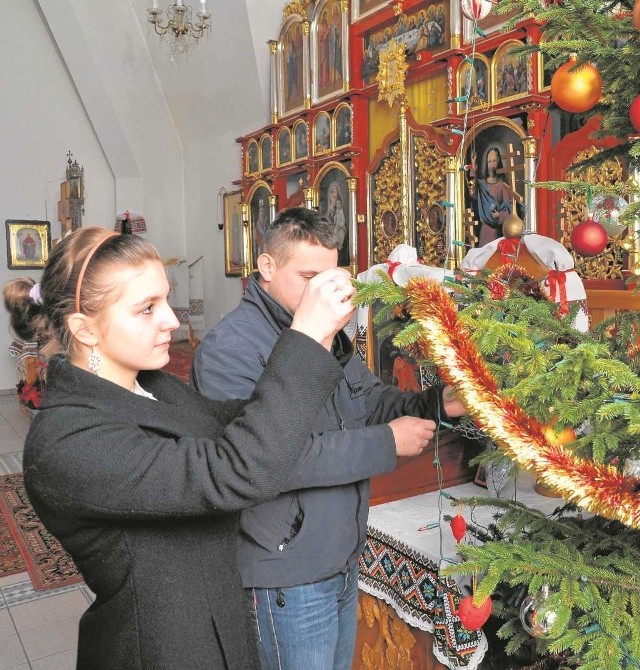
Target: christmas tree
[[592, 48], [566, 588], [560, 403]]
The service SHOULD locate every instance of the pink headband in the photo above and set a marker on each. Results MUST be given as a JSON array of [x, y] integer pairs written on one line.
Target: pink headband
[[87, 258]]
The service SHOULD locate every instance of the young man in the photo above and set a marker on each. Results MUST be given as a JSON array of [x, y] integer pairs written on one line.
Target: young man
[[298, 554]]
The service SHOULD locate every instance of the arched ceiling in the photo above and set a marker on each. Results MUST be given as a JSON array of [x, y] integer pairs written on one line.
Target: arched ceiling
[[224, 83]]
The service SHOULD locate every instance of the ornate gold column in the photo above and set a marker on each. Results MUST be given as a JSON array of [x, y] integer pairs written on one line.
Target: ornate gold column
[[272, 207], [306, 67], [309, 197], [273, 59], [352, 183], [344, 5], [530, 145], [391, 74], [455, 16], [245, 240], [408, 232], [454, 228]]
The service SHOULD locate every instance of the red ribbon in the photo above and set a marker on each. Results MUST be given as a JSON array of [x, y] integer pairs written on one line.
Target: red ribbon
[[508, 248], [392, 267], [556, 281]]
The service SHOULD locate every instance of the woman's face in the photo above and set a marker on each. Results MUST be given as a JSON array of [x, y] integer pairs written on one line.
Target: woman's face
[[134, 332]]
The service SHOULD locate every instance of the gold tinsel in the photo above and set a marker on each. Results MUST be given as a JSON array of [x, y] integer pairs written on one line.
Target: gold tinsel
[[598, 488]]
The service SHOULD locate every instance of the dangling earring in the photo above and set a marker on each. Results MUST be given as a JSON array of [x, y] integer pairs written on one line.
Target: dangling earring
[[94, 361]]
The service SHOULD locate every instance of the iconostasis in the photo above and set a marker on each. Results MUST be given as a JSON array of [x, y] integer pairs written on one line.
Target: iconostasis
[[413, 122]]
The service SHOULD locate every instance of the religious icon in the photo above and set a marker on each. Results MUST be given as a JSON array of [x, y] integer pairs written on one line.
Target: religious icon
[[252, 157], [292, 61], [343, 126], [266, 152], [28, 243], [302, 144], [495, 179], [284, 146], [334, 205]]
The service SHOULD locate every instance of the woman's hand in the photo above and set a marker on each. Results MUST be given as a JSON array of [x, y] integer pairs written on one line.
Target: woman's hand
[[326, 306]]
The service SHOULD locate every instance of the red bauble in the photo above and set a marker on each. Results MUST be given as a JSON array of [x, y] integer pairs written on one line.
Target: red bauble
[[576, 91], [458, 526], [589, 238], [634, 111], [472, 617]]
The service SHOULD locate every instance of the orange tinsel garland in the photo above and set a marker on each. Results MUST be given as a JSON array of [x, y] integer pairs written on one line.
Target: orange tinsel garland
[[598, 488]]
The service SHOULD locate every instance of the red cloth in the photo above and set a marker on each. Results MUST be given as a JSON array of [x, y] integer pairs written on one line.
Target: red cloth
[[508, 248], [556, 281], [392, 266]]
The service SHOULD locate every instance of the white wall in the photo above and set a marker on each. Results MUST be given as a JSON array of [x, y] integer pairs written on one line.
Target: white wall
[[153, 136], [41, 118]]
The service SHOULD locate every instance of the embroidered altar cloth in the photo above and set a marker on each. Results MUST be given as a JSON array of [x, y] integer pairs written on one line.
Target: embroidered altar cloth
[[400, 565]]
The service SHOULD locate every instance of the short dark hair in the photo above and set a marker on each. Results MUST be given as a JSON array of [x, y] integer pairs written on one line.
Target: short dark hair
[[298, 224]]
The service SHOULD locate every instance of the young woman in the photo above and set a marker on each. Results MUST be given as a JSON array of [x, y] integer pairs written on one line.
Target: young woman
[[140, 477]]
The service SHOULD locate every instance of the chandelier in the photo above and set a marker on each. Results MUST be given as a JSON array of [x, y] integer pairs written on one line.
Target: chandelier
[[179, 30]]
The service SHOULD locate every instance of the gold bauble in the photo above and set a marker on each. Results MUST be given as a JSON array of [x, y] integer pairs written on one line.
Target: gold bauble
[[576, 91], [512, 226]]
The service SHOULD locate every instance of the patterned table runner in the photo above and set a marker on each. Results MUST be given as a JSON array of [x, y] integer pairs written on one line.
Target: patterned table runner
[[409, 582]]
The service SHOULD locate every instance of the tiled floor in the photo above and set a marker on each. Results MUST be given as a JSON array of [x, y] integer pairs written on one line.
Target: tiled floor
[[38, 629]]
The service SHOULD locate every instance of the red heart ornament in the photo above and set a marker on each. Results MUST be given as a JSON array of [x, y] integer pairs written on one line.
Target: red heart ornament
[[471, 616]]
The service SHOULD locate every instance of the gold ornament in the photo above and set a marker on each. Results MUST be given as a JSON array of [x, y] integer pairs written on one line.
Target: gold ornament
[[576, 91], [512, 225]]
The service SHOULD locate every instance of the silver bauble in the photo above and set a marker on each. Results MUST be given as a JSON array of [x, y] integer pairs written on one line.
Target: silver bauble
[[631, 466], [536, 616]]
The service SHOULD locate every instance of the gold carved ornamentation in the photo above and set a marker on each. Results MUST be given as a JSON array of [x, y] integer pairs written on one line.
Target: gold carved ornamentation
[[609, 264], [430, 175], [273, 46], [296, 7], [394, 639], [391, 73], [387, 194], [530, 145]]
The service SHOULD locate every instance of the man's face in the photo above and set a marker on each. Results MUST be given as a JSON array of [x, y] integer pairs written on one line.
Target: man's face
[[492, 162], [286, 283]]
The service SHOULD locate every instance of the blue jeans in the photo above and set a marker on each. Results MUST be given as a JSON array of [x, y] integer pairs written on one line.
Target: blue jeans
[[308, 627]]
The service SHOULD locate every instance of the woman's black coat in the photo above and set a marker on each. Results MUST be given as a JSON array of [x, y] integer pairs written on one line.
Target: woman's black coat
[[145, 495]]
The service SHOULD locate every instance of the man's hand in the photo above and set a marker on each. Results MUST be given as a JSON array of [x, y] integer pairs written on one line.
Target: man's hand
[[452, 405], [412, 435]]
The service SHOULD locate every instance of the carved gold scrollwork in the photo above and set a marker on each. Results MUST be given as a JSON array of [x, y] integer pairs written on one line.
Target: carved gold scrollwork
[[387, 196], [295, 7], [391, 73], [430, 168], [609, 264], [393, 639]]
